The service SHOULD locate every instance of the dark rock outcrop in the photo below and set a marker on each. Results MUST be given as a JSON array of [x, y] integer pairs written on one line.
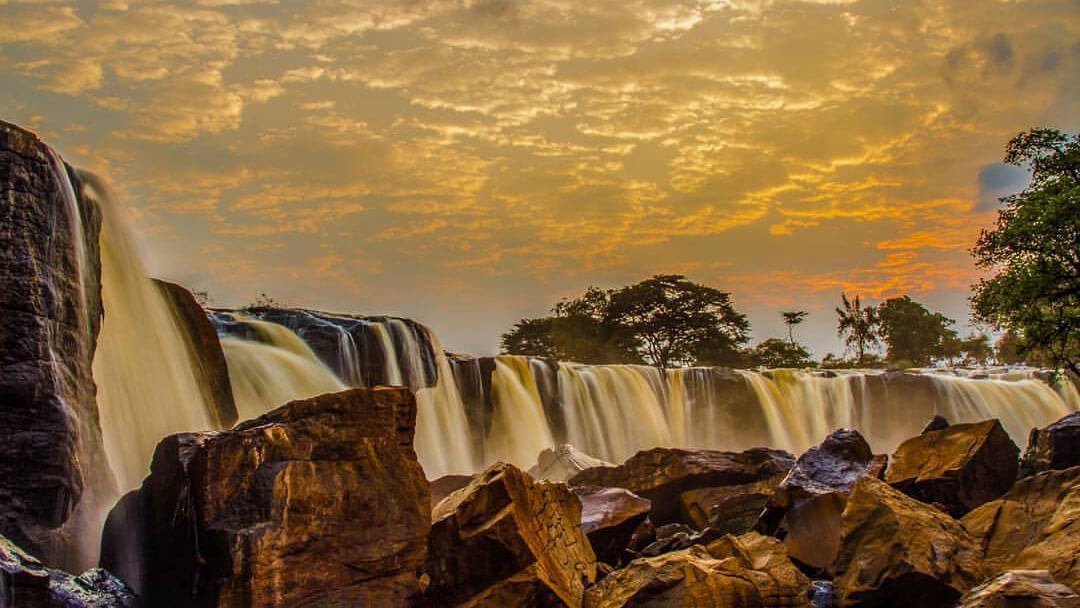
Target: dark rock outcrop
[[205, 350], [898, 552], [609, 518], [1035, 525], [1055, 447], [1020, 589], [320, 502], [50, 303], [662, 475], [959, 467], [805, 511], [26, 583], [508, 540], [937, 423]]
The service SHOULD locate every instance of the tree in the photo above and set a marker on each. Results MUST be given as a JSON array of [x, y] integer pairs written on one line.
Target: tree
[[531, 337], [776, 352], [976, 349], [676, 322], [857, 325], [791, 319], [1034, 252], [263, 301], [914, 334], [575, 331]]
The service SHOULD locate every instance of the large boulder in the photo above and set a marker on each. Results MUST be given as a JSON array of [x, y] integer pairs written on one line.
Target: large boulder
[[563, 462], [728, 509], [447, 485], [662, 475], [205, 350], [1035, 525], [1055, 447], [897, 551], [959, 467], [609, 518], [27, 583], [805, 510], [1020, 589], [509, 538], [748, 571], [320, 502], [50, 306]]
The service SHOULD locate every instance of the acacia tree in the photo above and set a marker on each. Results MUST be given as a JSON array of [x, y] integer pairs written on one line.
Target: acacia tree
[[857, 325], [791, 319], [1034, 252]]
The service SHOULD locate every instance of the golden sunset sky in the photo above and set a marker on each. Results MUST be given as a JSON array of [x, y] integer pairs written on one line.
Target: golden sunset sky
[[469, 163]]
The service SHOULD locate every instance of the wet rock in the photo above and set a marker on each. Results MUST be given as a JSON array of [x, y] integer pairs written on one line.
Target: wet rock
[[959, 467], [728, 509], [937, 423], [1035, 525], [508, 535], [1055, 447], [205, 350], [320, 502], [1020, 589], [671, 537], [805, 511], [447, 485], [563, 462], [609, 518], [662, 475], [897, 551], [26, 582], [50, 303], [734, 572]]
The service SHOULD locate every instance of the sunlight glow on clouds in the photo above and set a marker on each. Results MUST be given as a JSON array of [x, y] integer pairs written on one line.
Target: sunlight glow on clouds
[[468, 162]]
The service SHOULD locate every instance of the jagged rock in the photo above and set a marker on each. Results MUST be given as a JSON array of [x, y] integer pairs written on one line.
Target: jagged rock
[[486, 536], [897, 551], [662, 475], [50, 303], [1020, 589], [1055, 447], [609, 518], [205, 350], [447, 485], [563, 462], [728, 509], [748, 571], [671, 537], [805, 511], [959, 467], [320, 502], [937, 423], [26, 583], [1035, 525]]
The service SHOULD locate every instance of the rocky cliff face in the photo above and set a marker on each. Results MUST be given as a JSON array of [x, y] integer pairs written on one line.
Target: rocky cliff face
[[318, 503], [50, 303]]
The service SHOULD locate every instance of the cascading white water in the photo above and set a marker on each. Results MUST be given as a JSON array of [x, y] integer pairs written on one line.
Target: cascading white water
[[801, 408], [393, 370], [147, 384], [519, 428], [275, 370], [443, 442]]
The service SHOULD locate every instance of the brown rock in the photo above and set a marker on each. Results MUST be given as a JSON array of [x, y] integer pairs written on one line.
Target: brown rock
[[1020, 589], [805, 510], [728, 509], [1055, 447], [609, 518], [748, 571], [500, 525], [447, 485], [51, 313], [1035, 525], [563, 462], [320, 502], [959, 467], [205, 351], [26, 583], [897, 551], [661, 475]]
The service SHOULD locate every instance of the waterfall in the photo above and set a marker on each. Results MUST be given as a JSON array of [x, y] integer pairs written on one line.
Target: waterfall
[[443, 441], [519, 428], [147, 384]]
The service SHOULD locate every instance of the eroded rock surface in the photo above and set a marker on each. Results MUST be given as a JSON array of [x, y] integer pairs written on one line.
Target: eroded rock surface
[[1020, 589], [26, 583], [959, 467], [320, 502], [506, 536], [563, 462], [728, 509], [609, 518], [1055, 447], [898, 552]]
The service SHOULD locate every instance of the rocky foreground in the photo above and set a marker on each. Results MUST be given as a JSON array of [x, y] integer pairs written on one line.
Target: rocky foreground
[[323, 503]]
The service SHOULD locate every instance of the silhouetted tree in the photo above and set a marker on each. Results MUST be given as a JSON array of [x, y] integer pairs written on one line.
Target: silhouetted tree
[[791, 319], [776, 352], [857, 325], [913, 334]]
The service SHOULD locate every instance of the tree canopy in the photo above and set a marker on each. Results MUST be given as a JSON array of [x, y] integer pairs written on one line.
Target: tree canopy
[[913, 334], [1033, 252], [857, 324]]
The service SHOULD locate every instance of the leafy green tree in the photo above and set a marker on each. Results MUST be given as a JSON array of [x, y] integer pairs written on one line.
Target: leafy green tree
[[776, 352], [1034, 252], [676, 322], [531, 337], [857, 325], [1005, 349], [976, 349], [914, 334], [791, 319]]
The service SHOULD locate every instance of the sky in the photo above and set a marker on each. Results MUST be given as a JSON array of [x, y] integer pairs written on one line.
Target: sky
[[469, 163]]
